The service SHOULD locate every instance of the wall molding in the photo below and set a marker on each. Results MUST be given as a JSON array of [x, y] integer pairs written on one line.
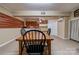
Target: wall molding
[[63, 38], [38, 13]]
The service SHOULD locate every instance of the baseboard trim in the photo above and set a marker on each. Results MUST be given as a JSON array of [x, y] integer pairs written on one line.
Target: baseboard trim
[[66, 38], [74, 40], [63, 38], [5, 43]]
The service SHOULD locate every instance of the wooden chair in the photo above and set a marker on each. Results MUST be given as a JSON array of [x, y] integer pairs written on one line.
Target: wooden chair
[[49, 31], [23, 31], [34, 42]]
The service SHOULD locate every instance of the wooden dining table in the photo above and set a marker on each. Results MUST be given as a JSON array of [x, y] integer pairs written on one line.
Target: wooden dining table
[[48, 40]]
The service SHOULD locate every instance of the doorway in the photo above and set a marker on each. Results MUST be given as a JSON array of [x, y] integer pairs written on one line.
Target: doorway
[[52, 24]]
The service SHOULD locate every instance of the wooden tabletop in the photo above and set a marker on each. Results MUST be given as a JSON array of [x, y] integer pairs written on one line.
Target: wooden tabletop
[[47, 37]]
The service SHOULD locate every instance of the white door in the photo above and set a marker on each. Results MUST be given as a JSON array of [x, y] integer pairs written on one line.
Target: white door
[[53, 25], [74, 30]]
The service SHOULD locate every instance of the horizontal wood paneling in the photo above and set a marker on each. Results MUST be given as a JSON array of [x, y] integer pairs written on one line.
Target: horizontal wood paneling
[[9, 22]]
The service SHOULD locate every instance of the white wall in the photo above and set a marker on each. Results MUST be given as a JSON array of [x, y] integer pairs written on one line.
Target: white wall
[[7, 34], [61, 28]]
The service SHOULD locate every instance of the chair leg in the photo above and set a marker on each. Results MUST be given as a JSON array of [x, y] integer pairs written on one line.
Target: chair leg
[[22, 49], [41, 53]]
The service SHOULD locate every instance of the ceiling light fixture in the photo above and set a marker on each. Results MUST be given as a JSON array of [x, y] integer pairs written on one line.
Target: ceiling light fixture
[[43, 13]]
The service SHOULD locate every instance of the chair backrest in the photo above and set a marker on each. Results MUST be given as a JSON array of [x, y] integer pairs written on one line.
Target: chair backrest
[[49, 31], [23, 31], [34, 37]]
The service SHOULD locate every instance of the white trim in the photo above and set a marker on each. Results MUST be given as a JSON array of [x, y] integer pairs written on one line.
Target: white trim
[[76, 18], [66, 38], [60, 19], [5, 43], [63, 38], [38, 13]]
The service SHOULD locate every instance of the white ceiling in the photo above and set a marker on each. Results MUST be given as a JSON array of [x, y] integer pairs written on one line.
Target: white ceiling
[[65, 7]]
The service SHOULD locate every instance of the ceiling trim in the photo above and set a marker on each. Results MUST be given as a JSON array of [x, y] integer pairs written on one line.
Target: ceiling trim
[[39, 13]]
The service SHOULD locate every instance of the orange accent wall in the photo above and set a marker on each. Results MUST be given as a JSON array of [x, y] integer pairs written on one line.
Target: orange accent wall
[[9, 22]]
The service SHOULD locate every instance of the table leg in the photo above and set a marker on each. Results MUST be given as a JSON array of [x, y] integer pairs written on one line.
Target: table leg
[[20, 47], [49, 47]]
